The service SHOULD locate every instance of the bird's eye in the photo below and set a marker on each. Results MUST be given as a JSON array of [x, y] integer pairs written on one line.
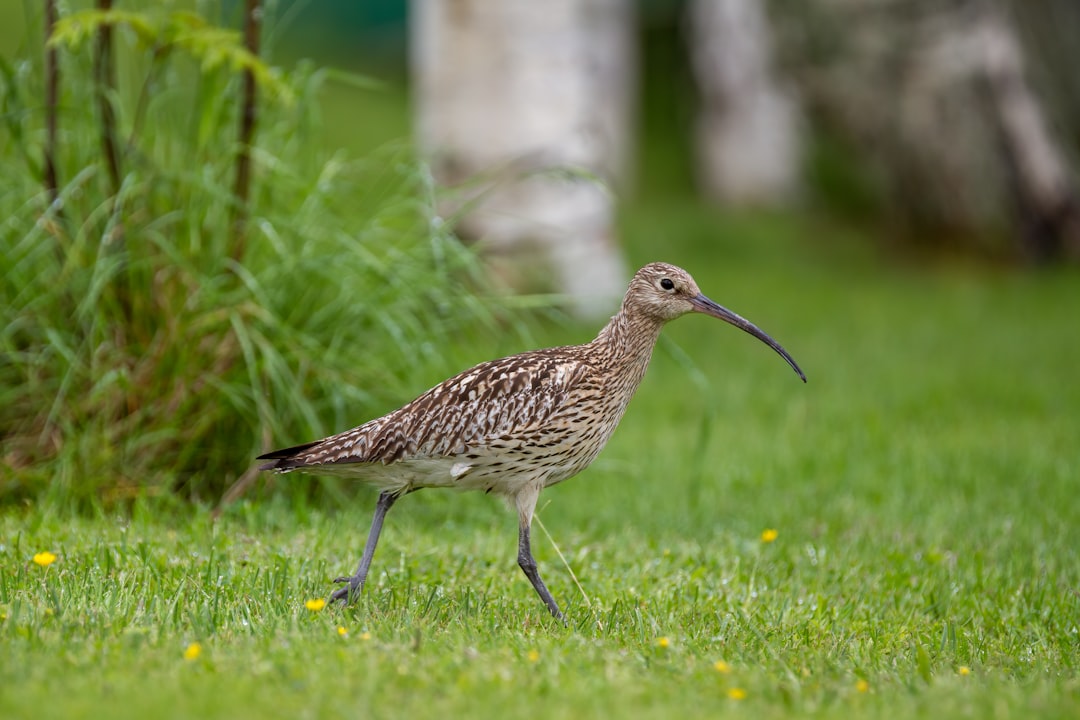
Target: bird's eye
[[667, 284]]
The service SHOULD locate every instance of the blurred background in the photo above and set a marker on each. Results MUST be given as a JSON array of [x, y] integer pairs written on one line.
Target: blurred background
[[779, 150], [951, 127]]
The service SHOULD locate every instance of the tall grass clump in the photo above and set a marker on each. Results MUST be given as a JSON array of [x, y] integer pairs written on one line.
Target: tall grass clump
[[143, 347]]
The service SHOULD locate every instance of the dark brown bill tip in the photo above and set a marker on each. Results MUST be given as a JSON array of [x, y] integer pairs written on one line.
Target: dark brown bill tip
[[704, 305]]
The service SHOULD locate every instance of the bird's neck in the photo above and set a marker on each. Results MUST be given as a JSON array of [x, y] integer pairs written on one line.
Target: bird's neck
[[629, 339]]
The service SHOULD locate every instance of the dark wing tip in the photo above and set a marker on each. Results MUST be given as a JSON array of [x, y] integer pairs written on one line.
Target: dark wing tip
[[285, 459]]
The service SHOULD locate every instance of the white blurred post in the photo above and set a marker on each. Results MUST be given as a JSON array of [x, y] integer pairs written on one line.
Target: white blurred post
[[748, 134], [509, 95]]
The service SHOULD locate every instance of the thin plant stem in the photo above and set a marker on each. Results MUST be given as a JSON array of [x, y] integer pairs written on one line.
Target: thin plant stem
[[538, 521], [104, 84], [52, 92], [248, 114]]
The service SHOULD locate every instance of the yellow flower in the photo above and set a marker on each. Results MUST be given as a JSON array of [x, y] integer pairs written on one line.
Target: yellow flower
[[736, 694], [862, 686], [722, 667], [315, 605], [44, 559], [768, 535], [342, 631], [964, 670], [663, 642], [534, 656], [365, 636], [193, 651]]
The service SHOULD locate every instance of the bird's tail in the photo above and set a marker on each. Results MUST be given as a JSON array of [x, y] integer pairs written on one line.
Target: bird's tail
[[285, 460]]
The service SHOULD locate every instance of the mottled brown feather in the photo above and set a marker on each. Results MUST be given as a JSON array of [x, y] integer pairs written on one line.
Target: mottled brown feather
[[496, 400]]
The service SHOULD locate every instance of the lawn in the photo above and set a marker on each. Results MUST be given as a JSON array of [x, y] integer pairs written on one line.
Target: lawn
[[898, 537]]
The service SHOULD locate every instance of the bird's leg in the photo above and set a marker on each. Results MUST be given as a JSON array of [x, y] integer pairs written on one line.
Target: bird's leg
[[525, 500], [528, 566], [347, 593]]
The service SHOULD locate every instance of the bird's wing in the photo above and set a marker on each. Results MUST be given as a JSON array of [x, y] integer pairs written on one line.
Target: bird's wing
[[502, 403]]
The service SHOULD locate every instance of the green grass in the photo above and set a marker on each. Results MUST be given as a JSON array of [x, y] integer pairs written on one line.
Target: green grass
[[922, 486]]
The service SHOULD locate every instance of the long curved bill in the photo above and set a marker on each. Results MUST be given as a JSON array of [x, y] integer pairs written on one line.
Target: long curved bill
[[704, 305]]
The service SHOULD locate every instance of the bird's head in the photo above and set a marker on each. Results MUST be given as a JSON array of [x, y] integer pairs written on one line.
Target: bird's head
[[663, 292]]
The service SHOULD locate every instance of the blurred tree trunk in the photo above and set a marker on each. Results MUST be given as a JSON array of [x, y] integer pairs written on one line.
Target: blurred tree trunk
[[936, 101], [1043, 190], [748, 131], [525, 105]]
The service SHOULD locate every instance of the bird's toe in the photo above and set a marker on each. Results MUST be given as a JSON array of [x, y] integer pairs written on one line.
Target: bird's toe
[[346, 594]]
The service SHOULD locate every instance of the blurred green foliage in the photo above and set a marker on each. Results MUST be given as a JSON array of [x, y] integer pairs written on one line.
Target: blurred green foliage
[[140, 356]]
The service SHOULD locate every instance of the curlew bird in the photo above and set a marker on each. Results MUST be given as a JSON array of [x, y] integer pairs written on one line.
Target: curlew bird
[[512, 426]]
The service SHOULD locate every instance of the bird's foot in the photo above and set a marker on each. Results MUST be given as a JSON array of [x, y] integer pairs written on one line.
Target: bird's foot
[[350, 591]]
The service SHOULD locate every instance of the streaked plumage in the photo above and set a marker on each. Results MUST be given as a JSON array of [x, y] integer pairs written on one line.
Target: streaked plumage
[[512, 426]]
